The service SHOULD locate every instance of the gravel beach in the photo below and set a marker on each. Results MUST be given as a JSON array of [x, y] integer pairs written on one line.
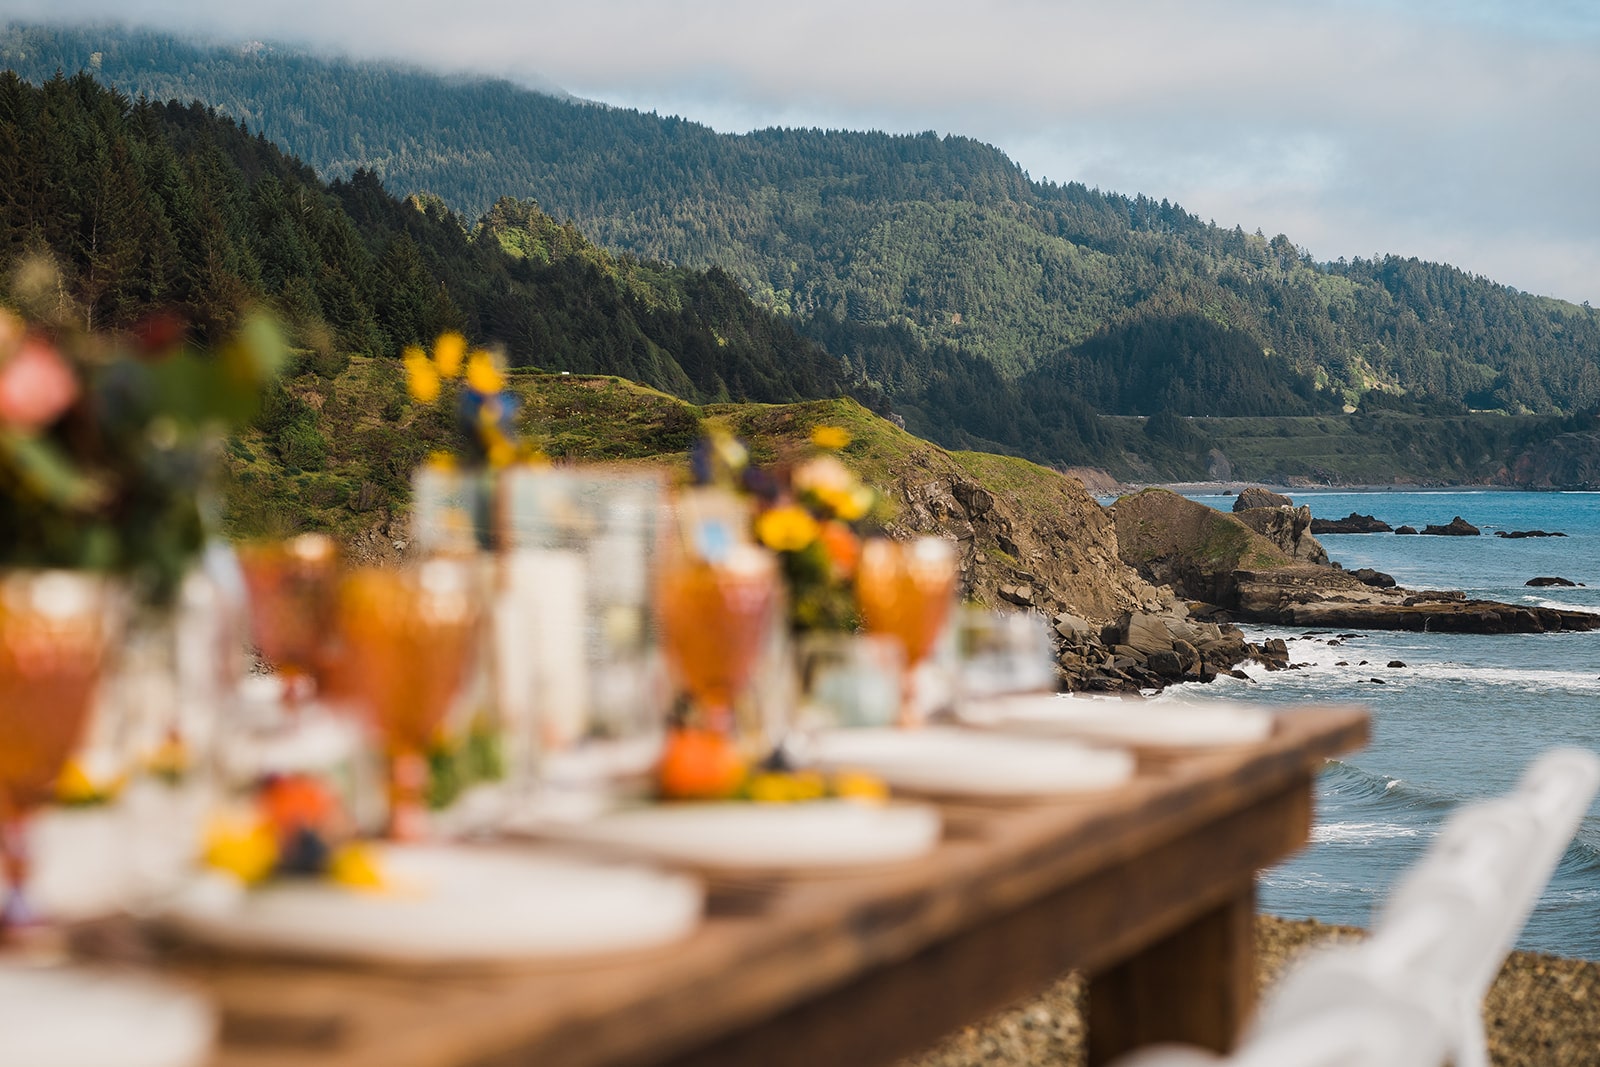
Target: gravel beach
[[1543, 1011]]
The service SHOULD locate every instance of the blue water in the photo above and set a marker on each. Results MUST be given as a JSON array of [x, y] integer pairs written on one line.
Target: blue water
[[1461, 720]]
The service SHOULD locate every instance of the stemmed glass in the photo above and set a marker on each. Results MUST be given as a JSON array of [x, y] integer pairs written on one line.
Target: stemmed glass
[[905, 590], [291, 588], [714, 613], [408, 641], [54, 635]]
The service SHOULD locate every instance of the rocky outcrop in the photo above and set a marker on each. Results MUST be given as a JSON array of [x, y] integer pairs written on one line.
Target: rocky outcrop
[[1034, 539], [1368, 576], [1210, 556], [1288, 528], [1540, 583], [1518, 534], [1257, 497], [1405, 529], [1456, 527], [1351, 524]]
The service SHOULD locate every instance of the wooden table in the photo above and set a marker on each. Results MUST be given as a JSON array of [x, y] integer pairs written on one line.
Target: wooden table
[[1150, 890]]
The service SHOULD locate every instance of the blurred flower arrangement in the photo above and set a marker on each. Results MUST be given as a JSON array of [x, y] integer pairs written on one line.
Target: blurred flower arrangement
[[809, 512], [485, 409], [108, 439], [294, 826]]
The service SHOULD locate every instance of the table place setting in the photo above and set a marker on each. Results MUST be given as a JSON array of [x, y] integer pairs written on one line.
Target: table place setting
[[587, 700]]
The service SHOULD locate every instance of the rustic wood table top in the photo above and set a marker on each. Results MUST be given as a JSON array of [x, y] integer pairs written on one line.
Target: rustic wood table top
[[1148, 888]]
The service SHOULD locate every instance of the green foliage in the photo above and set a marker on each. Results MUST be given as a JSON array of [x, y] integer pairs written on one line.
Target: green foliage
[[941, 245]]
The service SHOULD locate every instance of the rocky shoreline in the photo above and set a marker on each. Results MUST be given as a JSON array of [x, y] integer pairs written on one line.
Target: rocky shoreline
[[1145, 593], [1541, 1011]]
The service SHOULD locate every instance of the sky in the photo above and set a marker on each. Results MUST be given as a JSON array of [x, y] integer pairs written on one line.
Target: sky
[[1460, 131]]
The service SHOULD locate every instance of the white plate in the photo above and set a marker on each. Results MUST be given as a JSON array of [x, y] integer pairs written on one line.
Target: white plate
[[1166, 723], [78, 1017], [815, 835], [81, 865], [447, 904], [941, 761]]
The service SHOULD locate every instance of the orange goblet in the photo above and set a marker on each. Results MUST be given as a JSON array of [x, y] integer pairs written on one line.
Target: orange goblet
[[54, 632], [408, 638], [291, 597], [713, 617], [905, 590]]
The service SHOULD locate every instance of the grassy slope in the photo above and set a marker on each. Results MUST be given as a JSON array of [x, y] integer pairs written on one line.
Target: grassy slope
[[370, 436]]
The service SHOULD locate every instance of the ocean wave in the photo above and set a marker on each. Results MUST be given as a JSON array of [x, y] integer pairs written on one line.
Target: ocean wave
[[1293, 881], [1555, 605], [1361, 833], [1345, 781]]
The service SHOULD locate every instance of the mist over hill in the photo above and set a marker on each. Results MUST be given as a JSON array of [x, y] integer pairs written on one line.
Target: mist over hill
[[992, 310]]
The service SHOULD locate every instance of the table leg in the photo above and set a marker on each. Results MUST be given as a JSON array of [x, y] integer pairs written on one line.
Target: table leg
[[1195, 986]]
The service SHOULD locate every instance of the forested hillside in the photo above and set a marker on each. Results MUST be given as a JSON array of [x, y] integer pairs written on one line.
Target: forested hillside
[[150, 206], [906, 255]]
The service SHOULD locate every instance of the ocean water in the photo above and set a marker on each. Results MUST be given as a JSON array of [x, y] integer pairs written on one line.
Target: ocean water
[[1461, 720]]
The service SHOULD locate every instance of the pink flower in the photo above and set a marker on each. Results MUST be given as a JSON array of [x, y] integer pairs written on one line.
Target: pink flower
[[36, 385]]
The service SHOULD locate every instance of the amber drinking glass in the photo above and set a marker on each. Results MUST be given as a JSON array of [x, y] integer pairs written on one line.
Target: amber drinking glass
[[291, 587], [905, 590], [713, 616], [408, 638], [54, 633]]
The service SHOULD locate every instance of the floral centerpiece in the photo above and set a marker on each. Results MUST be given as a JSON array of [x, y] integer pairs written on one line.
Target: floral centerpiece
[[108, 440], [810, 512]]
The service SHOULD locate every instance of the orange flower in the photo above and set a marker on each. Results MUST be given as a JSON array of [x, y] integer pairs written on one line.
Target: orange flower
[[843, 548]]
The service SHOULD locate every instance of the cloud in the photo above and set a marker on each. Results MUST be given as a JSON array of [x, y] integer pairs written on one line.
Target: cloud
[[1446, 130]]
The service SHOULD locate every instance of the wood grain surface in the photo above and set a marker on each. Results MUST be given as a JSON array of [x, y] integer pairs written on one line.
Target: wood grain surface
[[1149, 888]]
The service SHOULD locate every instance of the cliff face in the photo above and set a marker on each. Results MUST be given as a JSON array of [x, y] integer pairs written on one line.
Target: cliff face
[[1569, 461], [1034, 538]]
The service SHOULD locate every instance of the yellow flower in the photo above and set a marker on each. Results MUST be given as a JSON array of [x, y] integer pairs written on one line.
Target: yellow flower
[[483, 376], [356, 866], [170, 760], [448, 352], [808, 785], [245, 847], [769, 788], [830, 437], [422, 378], [441, 460], [856, 504], [854, 785], [75, 785], [787, 529], [502, 453]]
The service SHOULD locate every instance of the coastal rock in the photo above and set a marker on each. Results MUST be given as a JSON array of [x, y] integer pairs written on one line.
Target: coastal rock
[[1288, 528], [1515, 534], [1397, 663], [1377, 579], [1352, 523], [1405, 529], [1456, 527], [1546, 581], [1217, 558], [1031, 538], [1258, 497]]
